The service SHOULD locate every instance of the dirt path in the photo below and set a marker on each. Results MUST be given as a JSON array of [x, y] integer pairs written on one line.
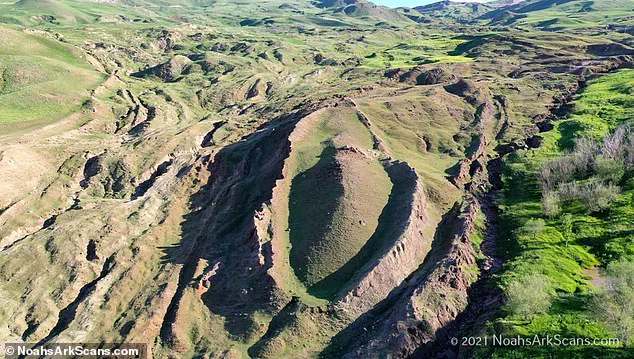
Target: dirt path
[[596, 278]]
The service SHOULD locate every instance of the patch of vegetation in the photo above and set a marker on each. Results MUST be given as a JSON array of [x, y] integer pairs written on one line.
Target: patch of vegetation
[[579, 229], [35, 87], [529, 296], [590, 175], [558, 15], [612, 307], [436, 48], [419, 129]]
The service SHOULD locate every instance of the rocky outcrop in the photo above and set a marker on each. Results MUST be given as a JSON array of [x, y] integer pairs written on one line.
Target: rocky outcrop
[[484, 117], [138, 116], [165, 41], [435, 76], [230, 233], [469, 90], [421, 76], [168, 71], [611, 49], [147, 181]]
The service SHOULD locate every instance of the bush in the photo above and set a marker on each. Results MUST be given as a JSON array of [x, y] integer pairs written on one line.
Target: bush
[[589, 173], [558, 171], [586, 150], [567, 227], [629, 158], [608, 169], [600, 197], [614, 144], [614, 306], [529, 296], [628, 148], [595, 195], [550, 204], [533, 227]]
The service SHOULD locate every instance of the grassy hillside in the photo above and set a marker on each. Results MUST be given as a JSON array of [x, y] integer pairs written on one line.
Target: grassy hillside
[[452, 12], [337, 191], [567, 260], [43, 80], [567, 14]]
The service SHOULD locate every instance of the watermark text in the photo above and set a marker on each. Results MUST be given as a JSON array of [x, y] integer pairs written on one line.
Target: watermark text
[[75, 350]]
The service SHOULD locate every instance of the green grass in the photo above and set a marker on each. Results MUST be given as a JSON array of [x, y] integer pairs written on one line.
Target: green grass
[[433, 49], [59, 13], [575, 14], [319, 246], [403, 121], [599, 238], [42, 80], [333, 209]]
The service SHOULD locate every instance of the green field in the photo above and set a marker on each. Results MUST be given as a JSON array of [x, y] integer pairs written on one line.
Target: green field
[[574, 15], [328, 226], [43, 80], [598, 239]]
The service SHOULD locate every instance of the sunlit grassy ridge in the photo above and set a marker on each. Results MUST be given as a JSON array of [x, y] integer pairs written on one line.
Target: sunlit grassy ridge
[[575, 14], [418, 52], [42, 79], [598, 238], [405, 121]]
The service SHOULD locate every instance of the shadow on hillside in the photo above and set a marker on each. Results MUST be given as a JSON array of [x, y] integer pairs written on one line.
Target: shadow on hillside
[[360, 331], [314, 198], [219, 234], [392, 222]]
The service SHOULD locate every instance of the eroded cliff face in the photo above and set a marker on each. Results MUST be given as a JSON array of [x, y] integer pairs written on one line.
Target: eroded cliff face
[[432, 298], [407, 240], [230, 253]]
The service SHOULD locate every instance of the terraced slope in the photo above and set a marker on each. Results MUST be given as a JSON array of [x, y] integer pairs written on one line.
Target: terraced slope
[[297, 179]]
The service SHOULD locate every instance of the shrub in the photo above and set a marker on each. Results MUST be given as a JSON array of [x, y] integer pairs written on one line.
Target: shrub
[[534, 227], [589, 172], [528, 296], [586, 149], [614, 306], [608, 169], [629, 152], [614, 144], [555, 172], [595, 195], [600, 197], [567, 227], [550, 204]]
